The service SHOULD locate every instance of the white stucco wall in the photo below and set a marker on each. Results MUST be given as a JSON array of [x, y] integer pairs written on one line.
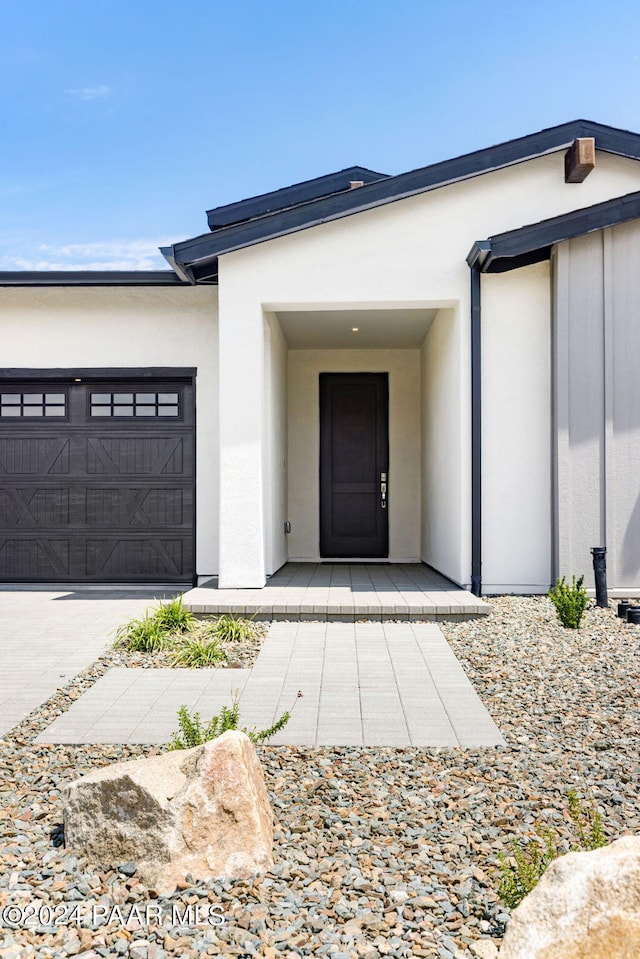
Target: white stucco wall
[[275, 450], [128, 327], [410, 251], [516, 431], [403, 367], [443, 444], [242, 540]]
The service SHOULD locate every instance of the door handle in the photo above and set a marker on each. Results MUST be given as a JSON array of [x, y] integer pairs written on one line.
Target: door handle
[[383, 490]]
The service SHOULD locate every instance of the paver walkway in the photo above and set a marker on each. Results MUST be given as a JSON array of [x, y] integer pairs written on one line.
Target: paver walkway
[[47, 637], [374, 684], [344, 591]]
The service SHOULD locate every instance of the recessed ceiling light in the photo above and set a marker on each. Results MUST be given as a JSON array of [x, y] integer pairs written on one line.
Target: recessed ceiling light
[[355, 329]]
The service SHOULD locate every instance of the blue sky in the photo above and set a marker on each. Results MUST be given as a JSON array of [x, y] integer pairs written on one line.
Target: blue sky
[[122, 122]]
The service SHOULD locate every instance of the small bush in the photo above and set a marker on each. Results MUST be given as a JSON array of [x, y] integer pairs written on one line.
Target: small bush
[[530, 858], [192, 731], [587, 823], [173, 617], [142, 635], [229, 629], [527, 865], [570, 601], [197, 651]]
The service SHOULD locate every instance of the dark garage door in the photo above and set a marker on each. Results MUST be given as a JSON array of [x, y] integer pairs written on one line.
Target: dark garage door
[[97, 481]]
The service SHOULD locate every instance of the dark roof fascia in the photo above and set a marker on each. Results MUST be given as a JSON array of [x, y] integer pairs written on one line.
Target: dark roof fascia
[[206, 272], [210, 245], [321, 186], [90, 278], [105, 373], [204, 275], [182, 272], [533, 243]]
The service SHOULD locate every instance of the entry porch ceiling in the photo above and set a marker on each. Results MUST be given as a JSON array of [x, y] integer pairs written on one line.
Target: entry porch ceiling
[[393, 329]]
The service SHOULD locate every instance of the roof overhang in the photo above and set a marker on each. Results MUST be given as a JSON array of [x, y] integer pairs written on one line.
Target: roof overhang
[[196, 258], [90, 278], [322, 186], [533, 243]]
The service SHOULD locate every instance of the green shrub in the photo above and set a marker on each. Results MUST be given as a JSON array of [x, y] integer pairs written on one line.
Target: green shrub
[[587, 823], [193, 732], [173, 617], [229, 629], [570, 601], [528, 862], [194, 651], [530, 858], [142, 635]]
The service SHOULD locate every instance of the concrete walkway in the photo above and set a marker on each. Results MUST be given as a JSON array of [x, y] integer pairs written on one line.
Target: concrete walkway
[[48, 636], [344, 592], [373, 684]]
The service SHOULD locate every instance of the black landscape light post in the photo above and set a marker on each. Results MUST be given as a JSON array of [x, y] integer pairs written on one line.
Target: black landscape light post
[[599, 554]]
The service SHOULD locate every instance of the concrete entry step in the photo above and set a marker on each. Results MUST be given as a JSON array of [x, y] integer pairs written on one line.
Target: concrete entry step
[[344, 592]]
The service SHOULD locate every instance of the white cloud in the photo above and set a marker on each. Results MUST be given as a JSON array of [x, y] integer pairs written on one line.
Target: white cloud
[[112, 255], [90, 93]]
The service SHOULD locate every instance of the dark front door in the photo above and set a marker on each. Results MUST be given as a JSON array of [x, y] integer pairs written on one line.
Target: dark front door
[[96, 481], [354, 465]]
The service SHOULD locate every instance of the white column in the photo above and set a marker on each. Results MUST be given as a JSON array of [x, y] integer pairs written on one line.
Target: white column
[[241, 355]]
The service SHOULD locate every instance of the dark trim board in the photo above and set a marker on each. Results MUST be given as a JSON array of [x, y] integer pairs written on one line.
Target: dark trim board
[[232, 213], [533, 243], [183, 274], [90, 278], [476, 434], [207, 247], [101, 373], [208, 273]]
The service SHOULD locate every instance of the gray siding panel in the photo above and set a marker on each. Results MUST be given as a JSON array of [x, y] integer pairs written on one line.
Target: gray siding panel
[[623, 462], [597, 403]]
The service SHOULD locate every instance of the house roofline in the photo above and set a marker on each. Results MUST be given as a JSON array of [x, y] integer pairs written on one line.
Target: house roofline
[[267, 203], [90, 278], [9, 373], [199, 253], [532, 243]]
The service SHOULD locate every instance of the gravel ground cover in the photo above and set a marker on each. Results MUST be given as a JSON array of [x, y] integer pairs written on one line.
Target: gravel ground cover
[[379, 852]]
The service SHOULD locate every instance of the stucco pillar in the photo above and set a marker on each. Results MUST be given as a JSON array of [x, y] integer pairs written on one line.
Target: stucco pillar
[[241, 355]]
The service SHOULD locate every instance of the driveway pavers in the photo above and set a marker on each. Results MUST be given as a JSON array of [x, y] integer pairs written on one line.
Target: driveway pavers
[[47, 636]]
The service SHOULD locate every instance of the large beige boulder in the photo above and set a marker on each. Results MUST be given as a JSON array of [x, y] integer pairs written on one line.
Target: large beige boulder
[[203, 811], [586, 906]]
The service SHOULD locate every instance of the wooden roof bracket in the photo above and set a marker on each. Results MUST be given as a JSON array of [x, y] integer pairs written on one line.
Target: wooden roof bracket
[[579, 160]]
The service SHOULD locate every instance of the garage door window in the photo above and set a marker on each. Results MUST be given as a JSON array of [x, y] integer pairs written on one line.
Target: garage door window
[[27, 405], [135, 404]]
